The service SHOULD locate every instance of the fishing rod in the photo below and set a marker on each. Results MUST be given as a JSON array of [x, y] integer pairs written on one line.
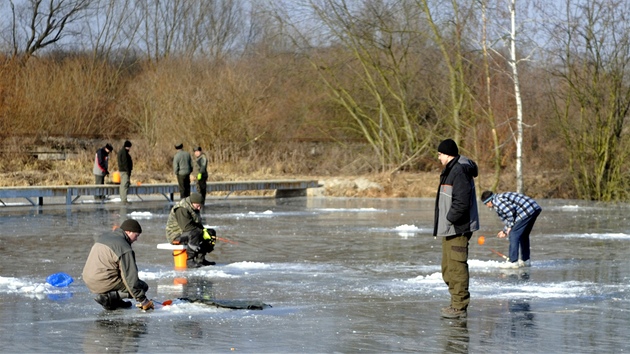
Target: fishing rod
[[482, 239]]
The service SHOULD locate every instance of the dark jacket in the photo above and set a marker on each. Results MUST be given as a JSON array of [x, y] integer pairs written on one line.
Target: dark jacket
[[101, 162], [112, 260], [125, 163], [456, 210]]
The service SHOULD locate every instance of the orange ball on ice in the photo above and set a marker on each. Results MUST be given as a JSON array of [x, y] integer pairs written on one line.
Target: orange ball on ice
[[481, 240]]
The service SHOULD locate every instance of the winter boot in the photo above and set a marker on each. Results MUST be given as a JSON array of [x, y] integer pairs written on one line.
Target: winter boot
[[117, 300], [201, 260], [450, 312], [103, 300]]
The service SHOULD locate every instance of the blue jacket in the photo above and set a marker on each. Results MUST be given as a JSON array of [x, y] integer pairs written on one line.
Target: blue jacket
[[456, 210]]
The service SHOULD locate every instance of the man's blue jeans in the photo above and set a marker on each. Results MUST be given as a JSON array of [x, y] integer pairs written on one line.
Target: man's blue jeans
[[519, 236]]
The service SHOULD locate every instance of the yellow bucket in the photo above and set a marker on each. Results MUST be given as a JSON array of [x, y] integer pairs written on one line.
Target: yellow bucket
[[180, 257], [116, 177]]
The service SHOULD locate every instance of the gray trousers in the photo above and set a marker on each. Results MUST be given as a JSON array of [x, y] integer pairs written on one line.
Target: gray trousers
[[99, 179], [124, 186]]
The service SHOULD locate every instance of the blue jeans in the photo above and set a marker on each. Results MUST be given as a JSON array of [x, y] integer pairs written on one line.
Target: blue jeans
[[519, 236]]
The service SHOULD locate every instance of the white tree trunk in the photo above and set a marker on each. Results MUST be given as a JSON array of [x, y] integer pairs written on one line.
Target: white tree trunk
[[517, 95]]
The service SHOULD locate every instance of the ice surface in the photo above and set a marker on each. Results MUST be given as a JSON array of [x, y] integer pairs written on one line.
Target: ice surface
[[342, 275]]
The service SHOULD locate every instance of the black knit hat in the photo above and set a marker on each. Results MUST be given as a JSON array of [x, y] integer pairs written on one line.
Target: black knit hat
[[180, 146], [196, 198], [109, 147], [448, 147], [127, 144], [131, 225], [198, 148]]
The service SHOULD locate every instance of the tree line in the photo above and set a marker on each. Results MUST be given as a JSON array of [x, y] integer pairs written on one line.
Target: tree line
[[331, 86]]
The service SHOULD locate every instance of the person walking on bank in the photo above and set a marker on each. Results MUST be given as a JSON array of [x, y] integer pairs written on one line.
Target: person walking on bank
[[518, 213], [111, 271], [125, 165], [182, 167], [185, 227], [456, 218], [101, 166], [201, 169]]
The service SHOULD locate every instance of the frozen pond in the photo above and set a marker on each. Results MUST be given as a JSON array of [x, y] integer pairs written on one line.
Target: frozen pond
[[341, 275]]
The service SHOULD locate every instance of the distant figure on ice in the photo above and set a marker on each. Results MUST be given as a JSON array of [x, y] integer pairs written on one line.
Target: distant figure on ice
[[125, 165], [111, 271], [185, 227], [201, 169], [518, 213], [456, 218], [182, 167], [101, 166]]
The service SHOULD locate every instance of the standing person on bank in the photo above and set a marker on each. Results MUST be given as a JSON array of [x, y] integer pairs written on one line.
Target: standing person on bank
[[111, 271], [456, 218], [125, 165], [518, 213], [182, 167], [185, 227], [201, 169], [101, 166]]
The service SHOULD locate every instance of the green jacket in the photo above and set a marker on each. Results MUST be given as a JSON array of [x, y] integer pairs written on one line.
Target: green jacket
[[183, 217], [182, 163], [201, 165], [112, 260]]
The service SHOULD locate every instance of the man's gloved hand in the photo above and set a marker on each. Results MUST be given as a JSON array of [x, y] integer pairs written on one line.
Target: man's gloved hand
[[145, 305], [210, 235]]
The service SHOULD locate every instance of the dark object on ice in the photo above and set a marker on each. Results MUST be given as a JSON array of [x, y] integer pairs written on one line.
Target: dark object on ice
[[112, 301], [230, 304]]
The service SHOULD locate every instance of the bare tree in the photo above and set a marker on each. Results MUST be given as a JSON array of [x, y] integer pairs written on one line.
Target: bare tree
[[37, 24], [590, 45]]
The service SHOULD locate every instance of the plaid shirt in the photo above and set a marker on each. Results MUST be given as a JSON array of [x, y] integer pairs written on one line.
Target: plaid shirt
[[513, 207]]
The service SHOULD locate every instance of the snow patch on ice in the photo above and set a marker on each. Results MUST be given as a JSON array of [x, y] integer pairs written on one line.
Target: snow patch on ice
[[603, 236], [140, 215], [10, 285], [248, 265]]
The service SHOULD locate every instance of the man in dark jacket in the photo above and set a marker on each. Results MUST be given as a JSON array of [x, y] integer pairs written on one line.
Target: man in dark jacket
[[456, 218], [184, 227], [111, 271], [101, 167], [125, 166], [182, 167]]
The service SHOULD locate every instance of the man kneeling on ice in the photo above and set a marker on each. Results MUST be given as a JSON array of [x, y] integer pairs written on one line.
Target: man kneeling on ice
[[184, 227], [111, 271]]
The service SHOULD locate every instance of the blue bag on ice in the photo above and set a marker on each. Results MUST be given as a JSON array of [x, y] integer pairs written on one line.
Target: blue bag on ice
[[59, 280]]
